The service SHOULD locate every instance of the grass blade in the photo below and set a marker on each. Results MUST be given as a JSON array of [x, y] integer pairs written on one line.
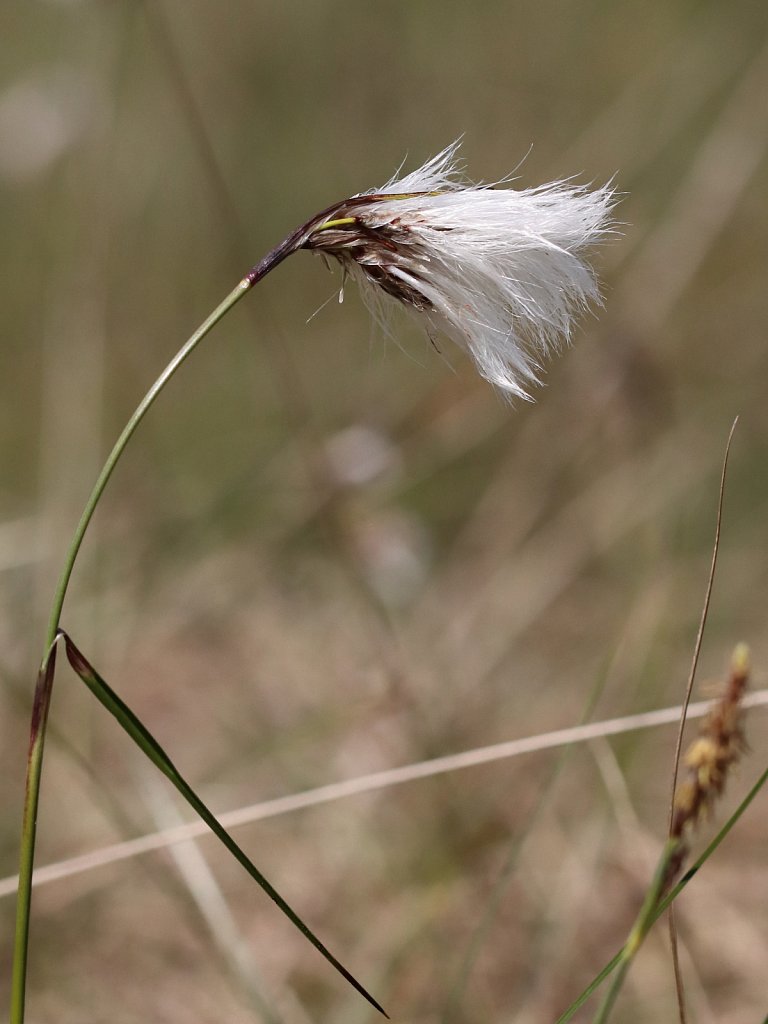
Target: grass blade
[[149, 745]]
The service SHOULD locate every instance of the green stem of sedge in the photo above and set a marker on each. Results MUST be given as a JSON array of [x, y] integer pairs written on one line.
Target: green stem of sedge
[[641, 927], [298, 239], [44, 688], [292, 243], [146, 403], [669, 898]]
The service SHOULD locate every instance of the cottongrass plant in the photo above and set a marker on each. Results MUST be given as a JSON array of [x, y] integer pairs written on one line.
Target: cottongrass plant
[[502, 272]]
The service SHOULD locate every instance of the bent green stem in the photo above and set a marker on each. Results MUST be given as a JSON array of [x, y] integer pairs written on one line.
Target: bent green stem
[[44, 686], [141, 410], [298, 239]]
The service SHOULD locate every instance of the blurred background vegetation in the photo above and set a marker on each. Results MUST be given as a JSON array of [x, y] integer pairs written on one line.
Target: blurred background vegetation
[[326, 554]]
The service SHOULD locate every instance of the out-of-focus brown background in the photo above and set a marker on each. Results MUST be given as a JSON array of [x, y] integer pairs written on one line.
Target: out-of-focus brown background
[[326, 553]]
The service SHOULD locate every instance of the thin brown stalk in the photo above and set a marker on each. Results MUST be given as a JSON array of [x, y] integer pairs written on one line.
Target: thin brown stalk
[[672, 923]]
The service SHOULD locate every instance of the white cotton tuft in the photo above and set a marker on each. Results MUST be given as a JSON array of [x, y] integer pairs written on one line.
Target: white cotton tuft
[[503, 272]]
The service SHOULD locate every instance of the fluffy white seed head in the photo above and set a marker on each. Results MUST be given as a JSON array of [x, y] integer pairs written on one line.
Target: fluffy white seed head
[[500, 271]]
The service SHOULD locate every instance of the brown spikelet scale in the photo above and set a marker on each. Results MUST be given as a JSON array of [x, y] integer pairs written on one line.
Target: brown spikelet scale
[[376, 250], [714, 752]]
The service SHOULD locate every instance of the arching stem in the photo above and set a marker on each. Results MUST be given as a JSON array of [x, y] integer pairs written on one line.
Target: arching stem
[[44, 688]]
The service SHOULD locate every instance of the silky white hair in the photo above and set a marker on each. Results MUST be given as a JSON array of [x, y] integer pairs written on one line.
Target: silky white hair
[[500, 271]]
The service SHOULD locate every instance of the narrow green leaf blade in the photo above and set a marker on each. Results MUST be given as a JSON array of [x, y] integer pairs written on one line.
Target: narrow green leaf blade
[[149, 745]]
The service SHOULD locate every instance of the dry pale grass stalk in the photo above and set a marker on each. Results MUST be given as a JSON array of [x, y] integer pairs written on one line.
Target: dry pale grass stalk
[[370, 783]]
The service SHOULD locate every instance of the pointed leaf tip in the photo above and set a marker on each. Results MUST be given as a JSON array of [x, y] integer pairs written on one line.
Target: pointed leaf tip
[[149, 745]]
